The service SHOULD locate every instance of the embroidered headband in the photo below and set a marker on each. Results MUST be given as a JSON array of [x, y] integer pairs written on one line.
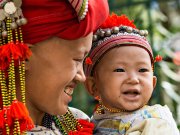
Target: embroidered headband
[[115, 31]]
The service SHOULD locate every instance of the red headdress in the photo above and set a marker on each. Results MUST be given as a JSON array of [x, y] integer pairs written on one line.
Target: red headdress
[[66, 19], [58, 18], [115, 31]]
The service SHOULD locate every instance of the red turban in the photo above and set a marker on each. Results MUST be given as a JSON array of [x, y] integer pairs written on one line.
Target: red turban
[[59, 18]]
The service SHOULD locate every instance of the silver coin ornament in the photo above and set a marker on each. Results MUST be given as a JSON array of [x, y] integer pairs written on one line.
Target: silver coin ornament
[[10, 8]]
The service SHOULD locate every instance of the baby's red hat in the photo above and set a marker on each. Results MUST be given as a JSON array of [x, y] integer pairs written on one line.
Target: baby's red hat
[[115, 31]]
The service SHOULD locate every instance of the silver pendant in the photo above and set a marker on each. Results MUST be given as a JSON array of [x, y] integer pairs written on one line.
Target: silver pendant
[[10, 8]]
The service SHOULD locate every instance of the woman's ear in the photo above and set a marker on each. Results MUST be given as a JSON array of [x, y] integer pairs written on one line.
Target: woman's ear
[[27, 61], [91, 86], [154, 81], [29, 45]]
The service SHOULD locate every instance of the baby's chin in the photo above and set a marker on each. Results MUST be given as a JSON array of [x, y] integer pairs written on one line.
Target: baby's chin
[[132, 107]]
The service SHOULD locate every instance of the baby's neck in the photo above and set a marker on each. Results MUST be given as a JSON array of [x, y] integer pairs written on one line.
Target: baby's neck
[[102, 109]]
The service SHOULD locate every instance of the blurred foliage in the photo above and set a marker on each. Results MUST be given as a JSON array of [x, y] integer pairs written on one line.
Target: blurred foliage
[[162, 19]]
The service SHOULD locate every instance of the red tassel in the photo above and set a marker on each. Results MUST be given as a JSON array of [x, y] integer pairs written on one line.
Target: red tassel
[[6, 52], [14, 50], [88, 61], [26, 124], [87, 128], [115, 20], [20, 112], [7, 113], [5, 57], [2, 121], [158, 58], [25, 51]]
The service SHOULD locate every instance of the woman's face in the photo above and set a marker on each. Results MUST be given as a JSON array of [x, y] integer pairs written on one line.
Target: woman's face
[[53, 72]]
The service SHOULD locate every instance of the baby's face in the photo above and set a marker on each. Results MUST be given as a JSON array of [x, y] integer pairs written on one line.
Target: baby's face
[[124, 78]]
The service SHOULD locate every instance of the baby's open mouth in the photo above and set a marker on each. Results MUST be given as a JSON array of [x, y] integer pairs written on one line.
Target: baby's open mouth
[[131, 92]]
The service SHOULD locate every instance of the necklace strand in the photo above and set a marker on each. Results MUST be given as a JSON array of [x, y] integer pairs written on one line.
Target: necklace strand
[[66, 123]]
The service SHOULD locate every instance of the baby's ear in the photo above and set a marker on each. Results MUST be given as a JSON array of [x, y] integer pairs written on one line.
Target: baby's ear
[[91, 86], [154, 81]]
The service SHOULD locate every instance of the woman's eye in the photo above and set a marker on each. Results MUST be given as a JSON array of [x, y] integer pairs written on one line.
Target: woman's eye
[[143, 70], [119, 70], [79, 60]]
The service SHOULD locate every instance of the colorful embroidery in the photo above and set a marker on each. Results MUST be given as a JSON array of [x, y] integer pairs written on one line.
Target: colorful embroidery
[[81, 8], [150, 114]]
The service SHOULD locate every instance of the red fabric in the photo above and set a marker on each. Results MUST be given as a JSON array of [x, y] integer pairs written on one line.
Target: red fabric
[[58, 18], [87, 128], [115, 20]]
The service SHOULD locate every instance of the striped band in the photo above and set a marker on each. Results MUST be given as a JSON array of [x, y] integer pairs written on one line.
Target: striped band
[[81, 8], [102, 47]]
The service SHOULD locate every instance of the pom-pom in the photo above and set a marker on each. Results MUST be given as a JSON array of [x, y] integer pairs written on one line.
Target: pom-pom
[[20, 112], [25, 51], [7, 52], [87, 128], [88, 61], [115, 20], [158, 58]]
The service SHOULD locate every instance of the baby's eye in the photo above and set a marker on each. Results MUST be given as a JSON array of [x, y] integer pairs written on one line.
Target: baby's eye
[[143, 70], [119, 70]]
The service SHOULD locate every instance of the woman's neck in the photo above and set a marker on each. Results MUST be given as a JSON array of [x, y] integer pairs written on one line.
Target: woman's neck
[[35, 114]]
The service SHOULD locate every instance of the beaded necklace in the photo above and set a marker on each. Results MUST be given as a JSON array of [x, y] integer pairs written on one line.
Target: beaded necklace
[[101, 109], [65, 123]]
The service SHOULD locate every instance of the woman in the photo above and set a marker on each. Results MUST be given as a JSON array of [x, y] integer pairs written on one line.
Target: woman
[[59, 34]]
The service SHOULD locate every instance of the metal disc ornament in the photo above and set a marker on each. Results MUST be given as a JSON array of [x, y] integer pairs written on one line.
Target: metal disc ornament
[[10, 8]]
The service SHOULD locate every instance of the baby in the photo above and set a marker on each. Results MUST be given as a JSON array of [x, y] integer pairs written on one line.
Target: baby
[[119, 70]]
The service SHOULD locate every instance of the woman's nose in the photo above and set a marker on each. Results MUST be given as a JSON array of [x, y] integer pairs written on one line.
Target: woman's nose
[[80, 76]]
